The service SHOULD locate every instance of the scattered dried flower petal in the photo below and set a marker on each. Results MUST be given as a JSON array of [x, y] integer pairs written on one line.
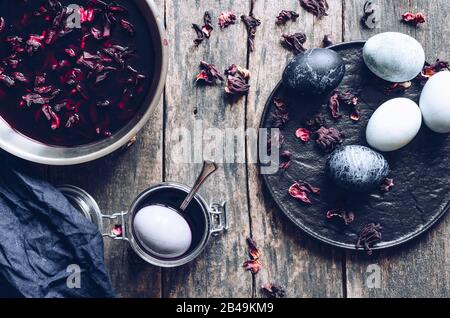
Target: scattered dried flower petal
[[209, 74], [203, 32], [369, 236], [430, 70], [253, 250], [327, 41], [117, 231], [328, 138], [413, 18], [317, 7], [252, 25], [226, 19], [253, 265], [285, 160], [237, 80], [285, 16], [299, 193], [2, 24], [398, 87], [347, 216], [279, 117], [346, 98], [387, 185], [334, 105], [303, 134], [273, 291], [294, 42], [300, 190], [315, 122]]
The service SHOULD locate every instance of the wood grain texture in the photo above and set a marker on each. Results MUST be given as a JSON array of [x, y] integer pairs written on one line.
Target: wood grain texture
[[218, 271], [422, 267], [114, 182], [304, 266]]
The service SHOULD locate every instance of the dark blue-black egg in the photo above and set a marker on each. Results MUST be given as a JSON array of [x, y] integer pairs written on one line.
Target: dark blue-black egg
[[314, 72], [357, 168]]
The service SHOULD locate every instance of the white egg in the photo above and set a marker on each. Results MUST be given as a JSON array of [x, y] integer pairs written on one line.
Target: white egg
[[163, 231], [394, 124], [435, 102]]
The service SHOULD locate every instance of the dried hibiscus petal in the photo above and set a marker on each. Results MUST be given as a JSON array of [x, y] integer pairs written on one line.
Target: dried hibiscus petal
[[347, 216], [327, 41], [413, 18], [285, 16], [253, 265], [285, 160], [346, 98], [334, 106], [253, 250], [328, 138], [387, 185], [252, 25], [51, 116], [273, 291], [20, 77], [237, 80], [2, 24], [317, 7], [303, 134], [7, 80], [117, 231], [398, 87], [369, 236], [226, 19], [279, 118], [203, 32], [315, 122], [294, 42], [209, 73], [300, 190], [430, 70], [127, 26]]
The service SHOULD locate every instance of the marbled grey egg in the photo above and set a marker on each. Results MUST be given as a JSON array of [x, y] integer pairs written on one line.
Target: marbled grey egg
[[357, 168], [393, 56], [314, 72]]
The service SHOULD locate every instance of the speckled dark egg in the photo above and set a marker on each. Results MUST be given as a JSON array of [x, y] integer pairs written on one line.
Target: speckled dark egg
[[315, 72], [357, 168]]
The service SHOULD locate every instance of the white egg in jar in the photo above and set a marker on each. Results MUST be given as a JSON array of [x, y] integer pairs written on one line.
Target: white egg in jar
[[162, 231]]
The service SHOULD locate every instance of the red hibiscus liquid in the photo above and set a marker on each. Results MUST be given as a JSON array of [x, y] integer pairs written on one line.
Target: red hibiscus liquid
[[65, 85]]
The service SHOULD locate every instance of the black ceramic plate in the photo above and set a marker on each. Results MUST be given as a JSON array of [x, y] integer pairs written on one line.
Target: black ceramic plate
[[421, 170]]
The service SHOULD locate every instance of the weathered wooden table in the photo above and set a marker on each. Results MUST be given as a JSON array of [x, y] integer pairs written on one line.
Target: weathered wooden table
[[304, 266]]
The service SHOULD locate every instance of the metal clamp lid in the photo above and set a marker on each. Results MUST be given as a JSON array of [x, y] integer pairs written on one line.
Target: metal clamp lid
[[219, 217], [119, 230]]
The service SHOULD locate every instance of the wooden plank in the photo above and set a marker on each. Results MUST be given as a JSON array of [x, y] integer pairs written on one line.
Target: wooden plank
[[218, 271], [420, 268], [114, 182], [304, 266]]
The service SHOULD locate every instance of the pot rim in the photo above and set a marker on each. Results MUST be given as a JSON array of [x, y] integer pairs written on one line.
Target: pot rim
[[24, 147]]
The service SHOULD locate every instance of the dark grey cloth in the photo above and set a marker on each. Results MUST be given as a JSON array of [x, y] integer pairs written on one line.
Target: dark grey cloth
[[41, 235]]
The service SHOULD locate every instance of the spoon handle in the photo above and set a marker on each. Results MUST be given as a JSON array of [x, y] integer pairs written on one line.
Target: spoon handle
[[208, 168]]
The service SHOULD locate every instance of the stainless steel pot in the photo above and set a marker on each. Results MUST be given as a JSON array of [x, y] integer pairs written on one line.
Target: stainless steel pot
[[209, 219], [28, 149]]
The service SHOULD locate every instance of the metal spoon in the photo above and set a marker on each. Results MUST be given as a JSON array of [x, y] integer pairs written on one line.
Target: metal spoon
[[208, 168]]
